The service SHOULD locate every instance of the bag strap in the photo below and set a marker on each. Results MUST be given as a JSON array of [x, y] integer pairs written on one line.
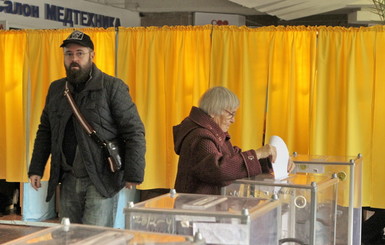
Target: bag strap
[[86, 126]]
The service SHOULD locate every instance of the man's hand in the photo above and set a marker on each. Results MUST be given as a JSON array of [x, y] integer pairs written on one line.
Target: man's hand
[[131, 185], [35, 181]]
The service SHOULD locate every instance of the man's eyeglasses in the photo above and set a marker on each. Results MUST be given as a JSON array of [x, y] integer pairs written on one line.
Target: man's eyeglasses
[[78, 54], [231, 114]]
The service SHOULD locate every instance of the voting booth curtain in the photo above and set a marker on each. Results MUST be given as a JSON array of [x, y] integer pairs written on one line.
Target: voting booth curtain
[[318, 88]]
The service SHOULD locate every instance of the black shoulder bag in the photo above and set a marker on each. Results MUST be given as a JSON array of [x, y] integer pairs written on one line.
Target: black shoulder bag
[[110, 147]]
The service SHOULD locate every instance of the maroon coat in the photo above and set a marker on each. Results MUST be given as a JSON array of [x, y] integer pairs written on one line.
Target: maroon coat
[[207, 159]]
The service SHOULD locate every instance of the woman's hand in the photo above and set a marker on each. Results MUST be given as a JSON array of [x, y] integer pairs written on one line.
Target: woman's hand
[[290, 165], [267, 151]]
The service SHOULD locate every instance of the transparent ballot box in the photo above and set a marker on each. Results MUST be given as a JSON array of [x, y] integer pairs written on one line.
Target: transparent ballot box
[[349, 172], [76, 234], [219, 219], [308, 204]]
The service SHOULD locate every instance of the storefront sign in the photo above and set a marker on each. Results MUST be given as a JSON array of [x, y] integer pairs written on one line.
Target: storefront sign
[[69, 13]]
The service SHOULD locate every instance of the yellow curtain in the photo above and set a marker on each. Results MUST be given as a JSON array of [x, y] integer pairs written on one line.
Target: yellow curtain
[[291, 74], [238, 62], [2, 105], [270, 69], [45, 64], [319, 88], [167, 70], [105, 48], [12, 101], [377, 168], [347, 107]]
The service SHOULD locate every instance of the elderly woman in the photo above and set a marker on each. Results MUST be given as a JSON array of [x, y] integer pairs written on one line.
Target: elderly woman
[[207, 159]]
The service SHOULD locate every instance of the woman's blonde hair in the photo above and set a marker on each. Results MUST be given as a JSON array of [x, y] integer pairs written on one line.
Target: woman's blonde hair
[[217, 99]]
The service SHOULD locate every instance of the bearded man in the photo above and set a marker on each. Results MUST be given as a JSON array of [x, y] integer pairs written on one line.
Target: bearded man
[[88, 187]]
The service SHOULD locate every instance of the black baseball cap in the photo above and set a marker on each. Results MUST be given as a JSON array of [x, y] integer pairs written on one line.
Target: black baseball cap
[[80, 38]]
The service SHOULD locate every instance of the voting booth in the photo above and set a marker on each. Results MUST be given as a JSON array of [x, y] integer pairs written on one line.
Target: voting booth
[[308, 204], [349, 172], [76, 234], [219, 219]]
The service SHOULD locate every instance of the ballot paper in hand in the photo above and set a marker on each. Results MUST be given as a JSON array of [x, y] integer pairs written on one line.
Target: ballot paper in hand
[[280, 164]]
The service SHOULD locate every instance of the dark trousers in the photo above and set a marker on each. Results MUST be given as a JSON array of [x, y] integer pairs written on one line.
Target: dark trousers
[[83, 204], [373, 228]]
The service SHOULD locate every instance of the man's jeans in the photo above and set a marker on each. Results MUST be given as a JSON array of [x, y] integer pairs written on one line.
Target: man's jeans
[[82, 203]]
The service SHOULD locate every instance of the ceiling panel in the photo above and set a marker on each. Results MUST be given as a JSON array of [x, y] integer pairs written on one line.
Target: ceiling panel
[[294, 9], [280, 5], [159, 6], [283, 9]]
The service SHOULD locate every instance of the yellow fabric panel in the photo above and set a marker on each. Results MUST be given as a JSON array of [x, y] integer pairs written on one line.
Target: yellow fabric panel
[[247, 60], [238, 62], [167, 70], [12, 125], [290, 62], [43, 68], [2, 105], [374, 173], [105, 48], [343, 96]]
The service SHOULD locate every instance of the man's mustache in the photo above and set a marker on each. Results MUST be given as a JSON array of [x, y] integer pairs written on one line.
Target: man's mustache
[[74, 65]]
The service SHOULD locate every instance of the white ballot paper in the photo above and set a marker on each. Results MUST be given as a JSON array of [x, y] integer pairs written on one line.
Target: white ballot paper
[[280, 164]]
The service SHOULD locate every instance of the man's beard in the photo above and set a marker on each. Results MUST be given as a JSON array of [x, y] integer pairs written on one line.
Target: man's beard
[[80, 75]]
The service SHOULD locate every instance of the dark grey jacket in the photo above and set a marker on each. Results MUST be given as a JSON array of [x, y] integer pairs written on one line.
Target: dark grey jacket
[[106, 104]]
